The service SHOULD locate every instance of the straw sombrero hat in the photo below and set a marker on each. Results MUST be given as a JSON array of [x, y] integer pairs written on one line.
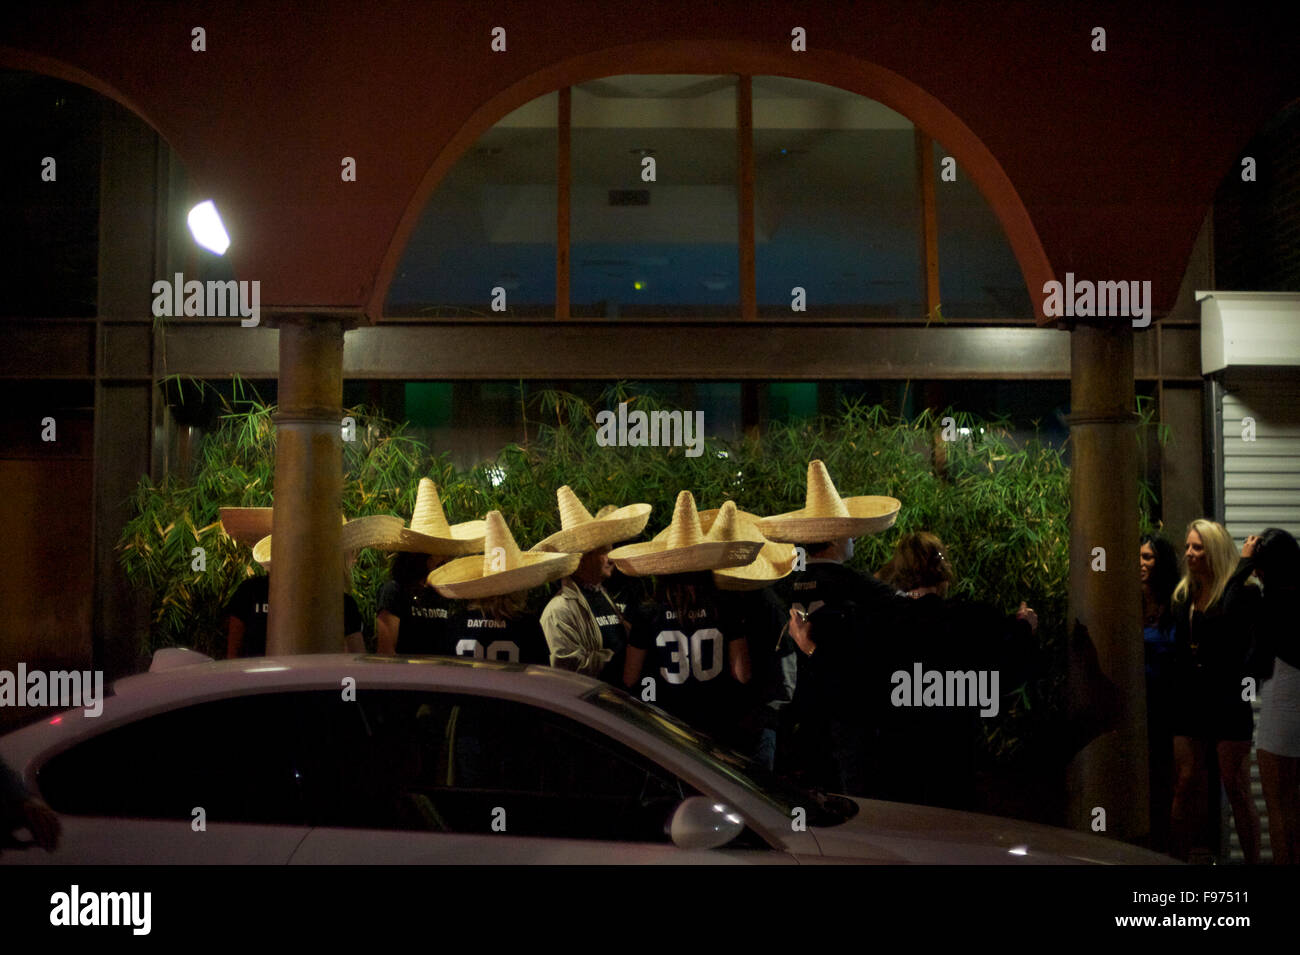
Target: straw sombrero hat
[[683, 547], [502, 568], [429, 532], [581, 532], [354, 535], [247, 525], [827, 517], [773, 562]]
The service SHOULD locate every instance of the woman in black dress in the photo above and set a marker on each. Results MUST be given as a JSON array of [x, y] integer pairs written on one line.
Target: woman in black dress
[[1214, 618]]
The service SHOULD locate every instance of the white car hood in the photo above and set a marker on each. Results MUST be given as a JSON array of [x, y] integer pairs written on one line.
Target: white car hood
[[891, 832]]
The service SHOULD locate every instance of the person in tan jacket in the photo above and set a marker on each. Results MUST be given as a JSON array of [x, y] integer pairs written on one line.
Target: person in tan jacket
[[584, 628]]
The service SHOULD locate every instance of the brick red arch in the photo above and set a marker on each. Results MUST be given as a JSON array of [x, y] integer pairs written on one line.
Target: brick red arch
[[15, 59], [742, 57]]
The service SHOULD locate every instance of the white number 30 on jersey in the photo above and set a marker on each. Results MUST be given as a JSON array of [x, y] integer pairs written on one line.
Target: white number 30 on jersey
[[687, 656], [503, 651]]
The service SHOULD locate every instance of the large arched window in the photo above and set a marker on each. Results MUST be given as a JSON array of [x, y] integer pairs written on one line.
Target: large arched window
[[712, 196]]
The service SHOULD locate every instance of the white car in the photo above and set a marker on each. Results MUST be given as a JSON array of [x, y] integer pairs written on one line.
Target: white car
[[368, 759]]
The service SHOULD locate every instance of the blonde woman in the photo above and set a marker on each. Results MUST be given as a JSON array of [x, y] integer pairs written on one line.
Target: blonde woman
[[1214, 617]]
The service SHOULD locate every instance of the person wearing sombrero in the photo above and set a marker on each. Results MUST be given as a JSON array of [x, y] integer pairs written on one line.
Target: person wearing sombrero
[[246, 615], [683, 654], [746, 596], [585, 628], [489, 622], [831, 736], [412, 617]]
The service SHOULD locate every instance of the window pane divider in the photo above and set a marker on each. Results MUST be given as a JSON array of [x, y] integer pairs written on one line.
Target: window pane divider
[[564, 191], [745, 194], [929, 222]]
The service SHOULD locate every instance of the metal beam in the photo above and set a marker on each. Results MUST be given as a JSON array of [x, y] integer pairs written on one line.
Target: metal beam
[[600, 349]]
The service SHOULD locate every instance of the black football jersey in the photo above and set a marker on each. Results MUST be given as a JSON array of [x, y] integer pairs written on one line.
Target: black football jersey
[[687, 659], [513, 640]]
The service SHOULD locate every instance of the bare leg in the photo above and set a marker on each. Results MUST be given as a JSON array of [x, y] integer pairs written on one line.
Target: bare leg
[[1234, 768], [1189, 789], [1281, 780]]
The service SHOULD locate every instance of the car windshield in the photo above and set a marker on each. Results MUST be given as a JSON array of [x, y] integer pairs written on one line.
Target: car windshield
[[785, 797]]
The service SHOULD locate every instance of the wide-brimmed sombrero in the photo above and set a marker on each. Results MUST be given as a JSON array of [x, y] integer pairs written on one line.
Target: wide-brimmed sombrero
[[683, 547], [773, 562], [247, 525], [580, 532], [827, 517], [502, 568], [363, 532], [429, 532]]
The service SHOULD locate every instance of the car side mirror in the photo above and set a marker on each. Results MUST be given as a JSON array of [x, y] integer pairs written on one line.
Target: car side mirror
[[704, 823]]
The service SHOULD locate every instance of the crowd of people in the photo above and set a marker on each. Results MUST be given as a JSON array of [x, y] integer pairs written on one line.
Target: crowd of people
[[1218, 636], [756, 631], [753, 630]]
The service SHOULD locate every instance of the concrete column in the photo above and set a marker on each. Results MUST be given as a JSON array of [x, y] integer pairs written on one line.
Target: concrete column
[[1111, 772], [306, 613], [125, 368]]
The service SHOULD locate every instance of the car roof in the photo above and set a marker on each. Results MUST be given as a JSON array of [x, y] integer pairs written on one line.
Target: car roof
[[304, 669], [144, 694]]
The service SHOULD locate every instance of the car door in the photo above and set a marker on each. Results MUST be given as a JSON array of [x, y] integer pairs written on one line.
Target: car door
[[406, 776], [212, 783]]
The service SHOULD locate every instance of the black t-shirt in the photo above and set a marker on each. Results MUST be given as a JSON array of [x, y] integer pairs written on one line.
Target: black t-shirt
[[688, 661], [251, 605], [514, 640], [613, 635], [928, 754], [422, 618], [850, 613], [760, 618]]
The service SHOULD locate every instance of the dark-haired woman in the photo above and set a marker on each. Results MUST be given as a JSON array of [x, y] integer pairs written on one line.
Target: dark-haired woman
[[1158, 566], [1275, 559], [412, 617]]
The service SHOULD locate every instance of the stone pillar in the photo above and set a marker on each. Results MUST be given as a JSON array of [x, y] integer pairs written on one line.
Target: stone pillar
[[306, 612], [1111, 772]]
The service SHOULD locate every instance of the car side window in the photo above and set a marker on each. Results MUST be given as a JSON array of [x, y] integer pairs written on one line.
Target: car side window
[[451, 763], [233, 758]]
